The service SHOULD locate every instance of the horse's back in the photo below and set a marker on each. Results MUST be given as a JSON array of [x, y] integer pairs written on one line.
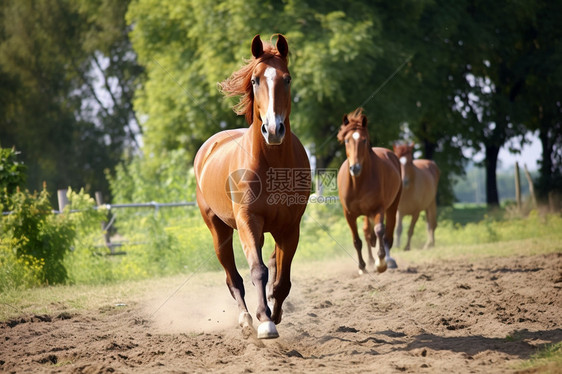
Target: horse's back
[[430, 169], [421, 195], [212, 168], [390, 162], [215, 145]]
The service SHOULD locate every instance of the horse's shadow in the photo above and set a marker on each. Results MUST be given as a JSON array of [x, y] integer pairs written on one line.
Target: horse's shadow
[[515, 345]]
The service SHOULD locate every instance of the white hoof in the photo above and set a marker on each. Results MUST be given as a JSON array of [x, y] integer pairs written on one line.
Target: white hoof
[[245, 319], [361, 271], [267, 330]]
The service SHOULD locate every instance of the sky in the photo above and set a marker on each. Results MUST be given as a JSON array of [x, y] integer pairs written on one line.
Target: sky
[[530, 155]]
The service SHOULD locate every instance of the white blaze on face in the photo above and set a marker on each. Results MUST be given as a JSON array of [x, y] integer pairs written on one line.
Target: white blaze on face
[[355, 135], [403, 160], [271, 117]]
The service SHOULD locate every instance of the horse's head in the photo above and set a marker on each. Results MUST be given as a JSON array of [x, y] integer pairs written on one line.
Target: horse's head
[[271, 84], [353, 133], [405, 153]]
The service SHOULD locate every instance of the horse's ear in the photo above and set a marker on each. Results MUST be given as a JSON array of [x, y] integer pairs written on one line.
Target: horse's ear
[[257, 46], [345, 120], [282, 45], [364, 121]]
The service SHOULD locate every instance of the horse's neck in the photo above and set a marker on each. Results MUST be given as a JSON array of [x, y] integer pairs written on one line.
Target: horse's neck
[[274, 156], [410, 172], [361, 181]]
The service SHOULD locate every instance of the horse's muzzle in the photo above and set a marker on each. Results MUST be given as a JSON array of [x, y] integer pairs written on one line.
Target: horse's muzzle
[[355, 170], [273, 136]]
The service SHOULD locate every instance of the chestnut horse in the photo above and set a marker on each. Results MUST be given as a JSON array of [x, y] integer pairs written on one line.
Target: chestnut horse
[[419, 190], [256, 180], [369, 184]]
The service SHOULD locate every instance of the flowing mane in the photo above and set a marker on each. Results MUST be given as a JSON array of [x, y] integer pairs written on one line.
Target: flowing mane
[[351, 122], [240, 82]]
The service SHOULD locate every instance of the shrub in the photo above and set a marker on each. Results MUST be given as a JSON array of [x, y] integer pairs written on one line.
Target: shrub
[[12, 173], [36, 236]]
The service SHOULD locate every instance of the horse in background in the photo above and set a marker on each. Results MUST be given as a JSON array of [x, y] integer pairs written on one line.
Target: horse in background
[[369, 184], [419, 190], [242, 183]]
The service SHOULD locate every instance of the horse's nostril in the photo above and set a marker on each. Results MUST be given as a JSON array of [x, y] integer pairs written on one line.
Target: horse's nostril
[[263, 129], [355, 169], [281, 130]]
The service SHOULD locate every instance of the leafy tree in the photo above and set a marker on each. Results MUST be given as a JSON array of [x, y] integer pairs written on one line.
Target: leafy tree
[[496, 46], [70, 74], [543, 91]]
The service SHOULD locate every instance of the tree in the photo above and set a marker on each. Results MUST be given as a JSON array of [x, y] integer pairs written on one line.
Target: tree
[[71, 74], [543, 91], [497, 66]]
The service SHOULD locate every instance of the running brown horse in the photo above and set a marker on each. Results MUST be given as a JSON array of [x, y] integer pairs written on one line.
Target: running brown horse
[[419, 190], [369, 185], [256, 180]]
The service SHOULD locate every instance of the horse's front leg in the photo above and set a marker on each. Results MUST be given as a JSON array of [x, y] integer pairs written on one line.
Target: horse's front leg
[[250, 230], [370, 239], [352, 223], [285, 248], [413, 222], [380, 261], [399, 218]]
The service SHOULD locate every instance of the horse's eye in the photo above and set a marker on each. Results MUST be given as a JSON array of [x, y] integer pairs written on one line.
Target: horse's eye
[[288, 79]]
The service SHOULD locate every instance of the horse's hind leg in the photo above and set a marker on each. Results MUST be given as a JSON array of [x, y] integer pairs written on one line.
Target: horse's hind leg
[[222, 240], [415, 217], [431, 216], [280, 281], [352, 223], [370, 239]]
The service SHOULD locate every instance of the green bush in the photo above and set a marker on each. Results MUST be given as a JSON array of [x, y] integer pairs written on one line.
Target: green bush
[[12, 174], [33, 233], [87, 262]]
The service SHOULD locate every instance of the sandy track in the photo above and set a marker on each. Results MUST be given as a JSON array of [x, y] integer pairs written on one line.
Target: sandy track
[[454, 316]]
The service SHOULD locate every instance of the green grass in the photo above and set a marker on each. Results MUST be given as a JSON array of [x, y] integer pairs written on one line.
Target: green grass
[[547, 360], [181, 244]]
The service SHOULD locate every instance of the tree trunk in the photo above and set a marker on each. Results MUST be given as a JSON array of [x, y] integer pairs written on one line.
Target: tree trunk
[[545, 169], [492, 198], [429, 147]]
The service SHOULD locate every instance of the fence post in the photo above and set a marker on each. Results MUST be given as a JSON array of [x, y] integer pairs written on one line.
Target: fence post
[[105, 229], [517, 187], [62, 199], [531, 186]]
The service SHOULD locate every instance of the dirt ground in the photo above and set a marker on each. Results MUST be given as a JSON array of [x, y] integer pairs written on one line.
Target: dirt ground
[[455, 317]]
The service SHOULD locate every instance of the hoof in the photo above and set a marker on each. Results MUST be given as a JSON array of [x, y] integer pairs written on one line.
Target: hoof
[[391, 263], [380, 265], [362, 271], [245, 320], [267, 330]]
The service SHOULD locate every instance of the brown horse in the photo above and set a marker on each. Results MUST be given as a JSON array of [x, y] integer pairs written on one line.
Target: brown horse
[[256, 180], [369, 184], [419, 190]]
